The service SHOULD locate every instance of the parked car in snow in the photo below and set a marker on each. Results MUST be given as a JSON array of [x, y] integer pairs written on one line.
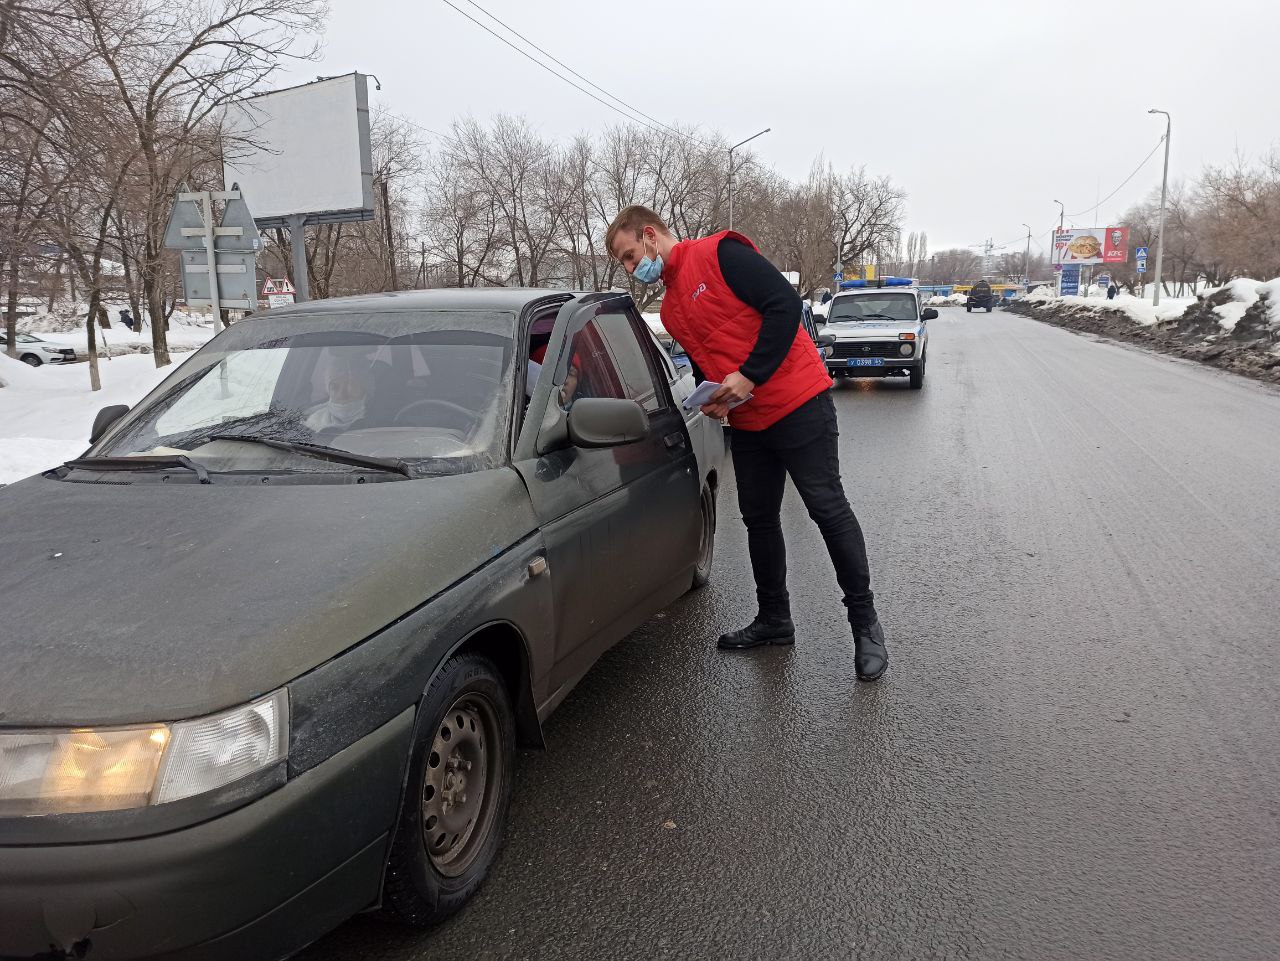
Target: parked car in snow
[[363, 569], [880, 331], [34, 351]]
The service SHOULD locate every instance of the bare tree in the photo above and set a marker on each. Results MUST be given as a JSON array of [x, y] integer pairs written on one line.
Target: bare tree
[[173, 67]]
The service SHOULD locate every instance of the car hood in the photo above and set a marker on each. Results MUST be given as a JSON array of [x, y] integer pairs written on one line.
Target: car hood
[[871, 329], [152, 602]]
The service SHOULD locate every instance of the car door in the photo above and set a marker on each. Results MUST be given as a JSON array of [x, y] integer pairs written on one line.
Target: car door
[[620, 524]]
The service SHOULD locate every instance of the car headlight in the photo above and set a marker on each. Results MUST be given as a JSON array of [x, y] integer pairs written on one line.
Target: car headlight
[[108, 769], [51, 350], [906, 349]]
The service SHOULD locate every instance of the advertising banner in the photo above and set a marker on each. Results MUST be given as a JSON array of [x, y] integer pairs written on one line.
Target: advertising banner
[[1115, 249], [1070, 280], [1091, 245]]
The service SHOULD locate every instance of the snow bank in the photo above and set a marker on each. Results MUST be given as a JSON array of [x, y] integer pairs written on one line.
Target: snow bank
[[951, 300], [46, 413], [1244, 293], [1137, 309]]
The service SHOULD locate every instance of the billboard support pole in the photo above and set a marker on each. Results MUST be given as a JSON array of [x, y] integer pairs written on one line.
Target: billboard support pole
[[298, 241]]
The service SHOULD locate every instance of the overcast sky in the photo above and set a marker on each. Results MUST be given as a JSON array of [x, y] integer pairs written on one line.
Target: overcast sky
[[984, 112]]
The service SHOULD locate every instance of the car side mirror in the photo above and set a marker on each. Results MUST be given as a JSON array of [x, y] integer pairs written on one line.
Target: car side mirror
[[606, 422], [929, 313], [826, 340], [106, 417]]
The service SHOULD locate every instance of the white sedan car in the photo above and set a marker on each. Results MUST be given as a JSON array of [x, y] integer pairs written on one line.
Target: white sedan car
[[34, 351]]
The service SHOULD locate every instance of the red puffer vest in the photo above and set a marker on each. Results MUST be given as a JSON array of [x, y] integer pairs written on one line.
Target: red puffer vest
[[719, 331]]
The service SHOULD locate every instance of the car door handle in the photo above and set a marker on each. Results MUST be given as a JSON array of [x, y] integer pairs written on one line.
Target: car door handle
[[674, 440]]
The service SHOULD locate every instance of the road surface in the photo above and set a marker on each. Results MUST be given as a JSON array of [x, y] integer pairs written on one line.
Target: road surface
[[1076, 548]]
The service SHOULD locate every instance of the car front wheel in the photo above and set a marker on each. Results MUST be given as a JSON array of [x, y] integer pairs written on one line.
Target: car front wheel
[[457, 793], [32, 360], [917, 374], [706, 540]]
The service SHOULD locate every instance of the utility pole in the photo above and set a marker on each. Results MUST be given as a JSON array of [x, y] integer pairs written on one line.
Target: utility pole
[[1062, 215], [1164, 189], [731, 150], [1026, 259]]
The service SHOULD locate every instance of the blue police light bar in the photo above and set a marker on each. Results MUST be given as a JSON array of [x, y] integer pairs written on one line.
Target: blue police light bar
[[879, 282]]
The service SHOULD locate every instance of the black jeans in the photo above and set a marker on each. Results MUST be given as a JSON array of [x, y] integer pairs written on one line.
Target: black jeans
[[804, 445]]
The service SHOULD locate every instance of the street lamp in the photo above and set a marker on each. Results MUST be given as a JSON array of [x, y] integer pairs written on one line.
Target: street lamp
[[1164, 187], [731, 150]]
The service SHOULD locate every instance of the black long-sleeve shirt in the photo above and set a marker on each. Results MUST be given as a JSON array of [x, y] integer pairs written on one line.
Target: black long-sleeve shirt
[[759, 284]]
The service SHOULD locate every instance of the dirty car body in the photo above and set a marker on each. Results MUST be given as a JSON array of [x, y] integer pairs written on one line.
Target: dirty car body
[[329, 514]]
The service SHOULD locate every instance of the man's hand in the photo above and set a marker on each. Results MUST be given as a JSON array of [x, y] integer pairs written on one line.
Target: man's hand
[[733, 389]]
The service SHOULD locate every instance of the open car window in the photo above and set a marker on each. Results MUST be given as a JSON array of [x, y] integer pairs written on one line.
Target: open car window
[[431, 388]]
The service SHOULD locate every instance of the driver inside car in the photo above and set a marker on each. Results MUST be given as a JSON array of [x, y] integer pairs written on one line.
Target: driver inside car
[[348, 382]]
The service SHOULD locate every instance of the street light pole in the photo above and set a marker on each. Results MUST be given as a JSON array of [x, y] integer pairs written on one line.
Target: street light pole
[[1164, 188], [731, 150], [1026, 259], [1062, 215]]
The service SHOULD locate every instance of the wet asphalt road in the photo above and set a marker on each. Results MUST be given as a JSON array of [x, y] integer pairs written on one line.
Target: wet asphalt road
[[1073, 755]]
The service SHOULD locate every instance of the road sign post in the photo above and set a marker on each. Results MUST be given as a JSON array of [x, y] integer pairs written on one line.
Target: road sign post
[[219, 261]]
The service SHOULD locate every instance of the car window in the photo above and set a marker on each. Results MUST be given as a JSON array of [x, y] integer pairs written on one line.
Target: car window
[[431, 388], [873, 307], [239, 386], [631, 361], [605, 359]]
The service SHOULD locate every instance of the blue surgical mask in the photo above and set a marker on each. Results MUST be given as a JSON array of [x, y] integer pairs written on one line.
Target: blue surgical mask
[[648, 270]]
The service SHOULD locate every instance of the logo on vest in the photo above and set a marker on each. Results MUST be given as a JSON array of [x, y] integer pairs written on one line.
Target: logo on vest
[[702, 289]]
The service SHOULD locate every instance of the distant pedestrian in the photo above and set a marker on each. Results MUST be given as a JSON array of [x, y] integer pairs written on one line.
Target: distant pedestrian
[[739, 319], [1112, 290], [126, 318]]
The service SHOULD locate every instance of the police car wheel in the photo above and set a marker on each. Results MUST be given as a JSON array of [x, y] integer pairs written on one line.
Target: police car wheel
[[917, 375], [32, 360]]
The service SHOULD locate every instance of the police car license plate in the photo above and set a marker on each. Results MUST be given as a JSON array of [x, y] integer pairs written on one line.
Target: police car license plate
[[866, 361]]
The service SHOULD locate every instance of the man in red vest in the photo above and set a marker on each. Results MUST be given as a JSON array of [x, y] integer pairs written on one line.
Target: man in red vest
[[739, 320]]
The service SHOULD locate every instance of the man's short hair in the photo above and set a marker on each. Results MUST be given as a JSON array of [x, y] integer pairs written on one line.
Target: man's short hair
[[633, 219]]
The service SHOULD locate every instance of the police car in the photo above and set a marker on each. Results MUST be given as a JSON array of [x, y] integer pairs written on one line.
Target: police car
[[880, 329]]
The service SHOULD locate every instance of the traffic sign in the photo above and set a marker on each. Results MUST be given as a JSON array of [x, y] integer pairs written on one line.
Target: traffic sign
[[1140, 253], [279, 300], [838, 276], [270, 288], [1142, 265], [284, 286]]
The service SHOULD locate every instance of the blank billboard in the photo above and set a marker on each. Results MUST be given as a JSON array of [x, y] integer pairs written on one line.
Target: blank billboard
[[304, 151]]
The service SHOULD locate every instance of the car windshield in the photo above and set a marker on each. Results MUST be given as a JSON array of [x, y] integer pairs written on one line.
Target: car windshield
[[432, 389], [873, 307]]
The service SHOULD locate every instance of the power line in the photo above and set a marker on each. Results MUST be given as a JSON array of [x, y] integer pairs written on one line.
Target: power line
[[560, 76], [636, 110], [1094, 208]]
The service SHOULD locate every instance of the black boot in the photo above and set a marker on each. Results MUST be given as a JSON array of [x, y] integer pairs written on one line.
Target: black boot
[[765, 629], [870, 658]]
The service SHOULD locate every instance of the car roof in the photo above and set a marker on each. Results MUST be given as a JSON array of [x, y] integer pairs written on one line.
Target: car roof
[[508, 299], [876, 290]]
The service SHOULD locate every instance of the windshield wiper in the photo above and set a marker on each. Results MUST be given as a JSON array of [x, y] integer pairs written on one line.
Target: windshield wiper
[[153, 462], [392, 465]]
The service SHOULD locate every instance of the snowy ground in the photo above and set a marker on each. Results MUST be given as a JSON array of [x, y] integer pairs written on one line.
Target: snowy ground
[[46, 413], [65, 327]]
